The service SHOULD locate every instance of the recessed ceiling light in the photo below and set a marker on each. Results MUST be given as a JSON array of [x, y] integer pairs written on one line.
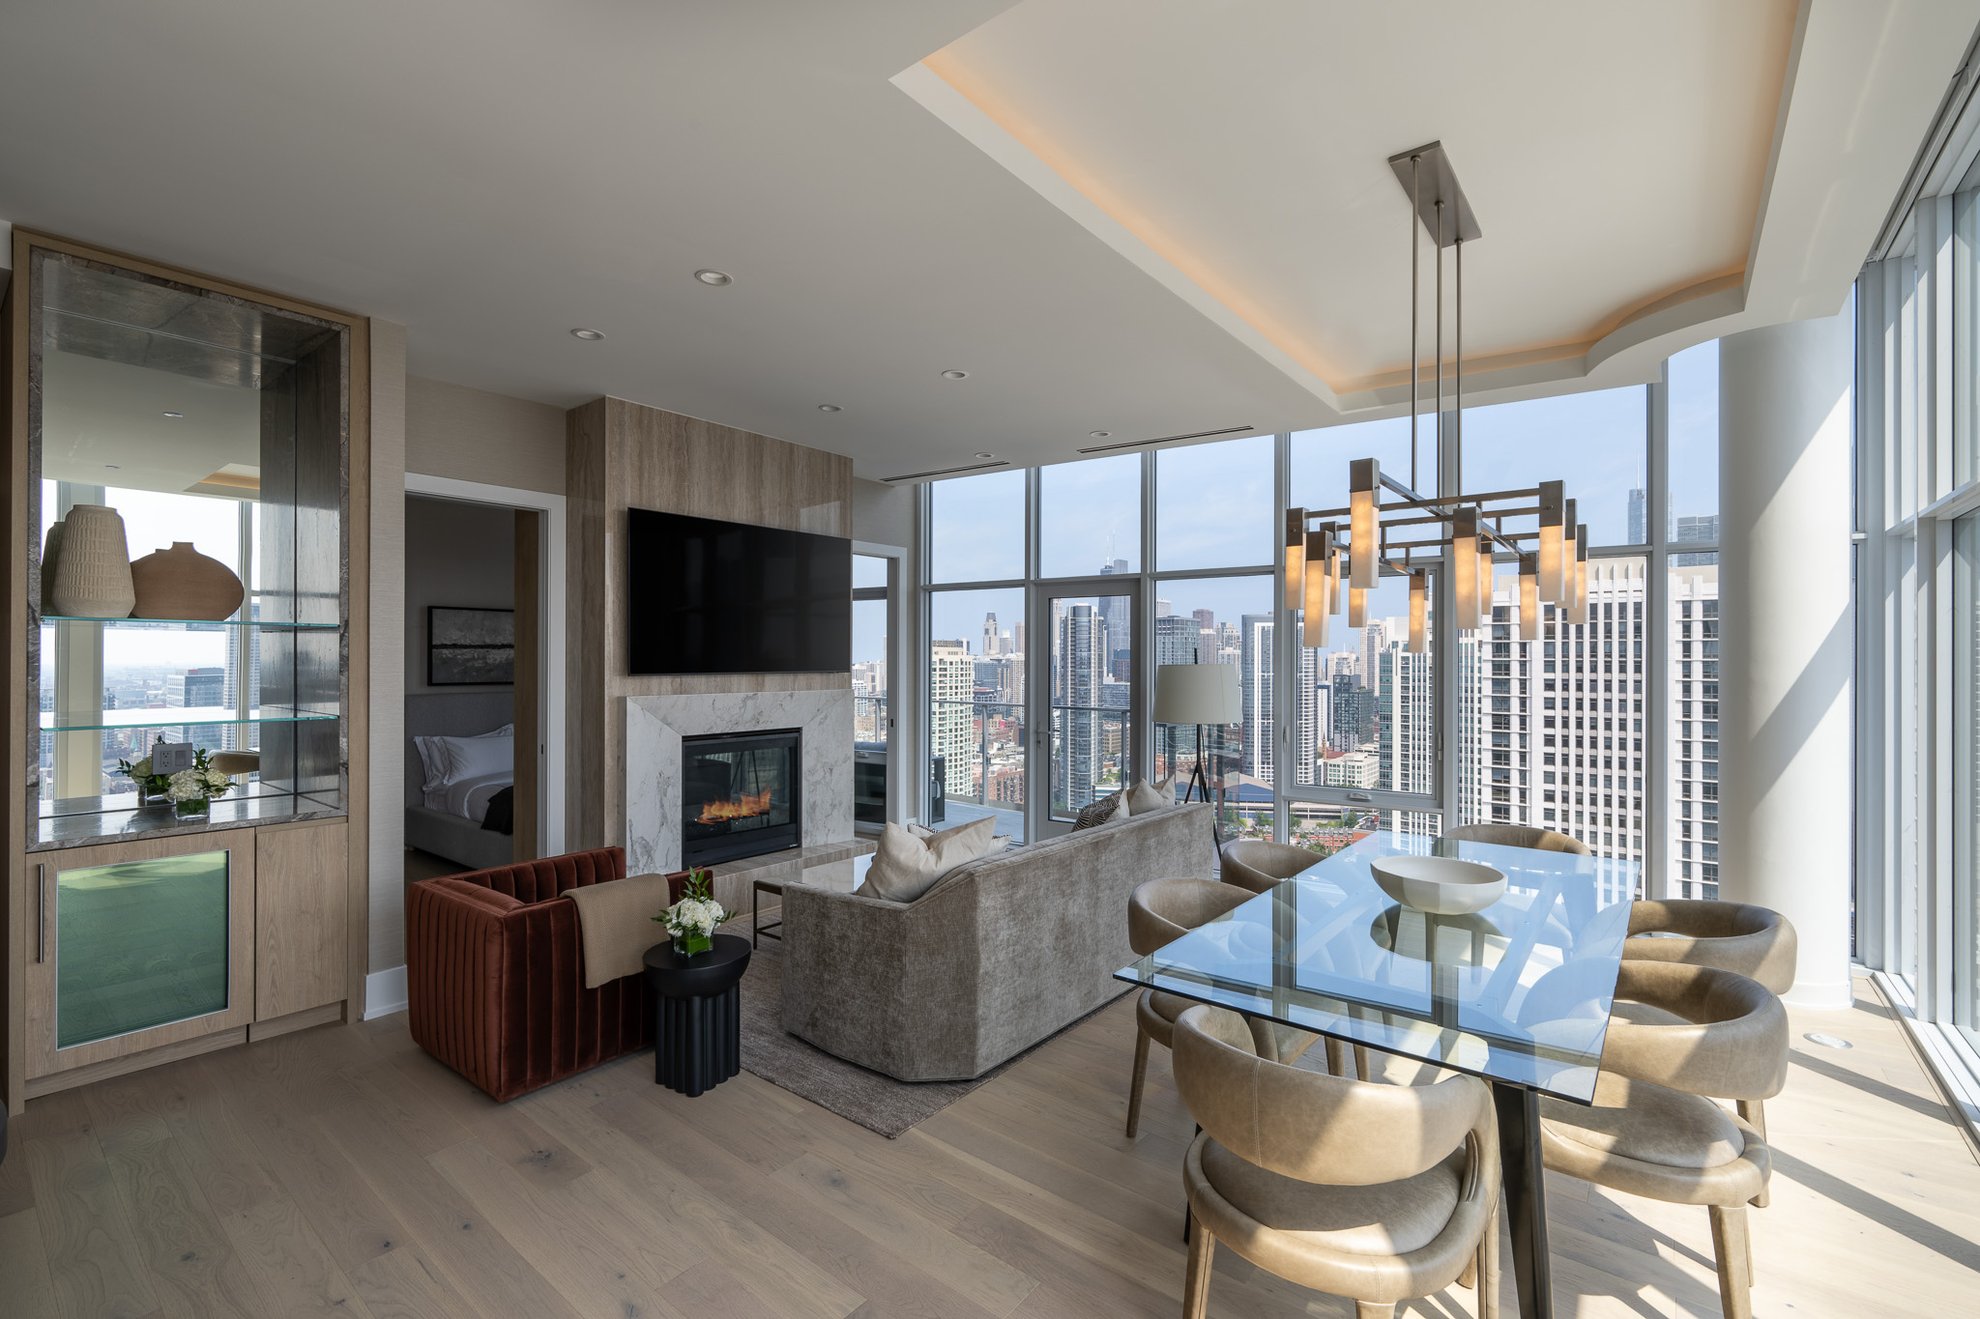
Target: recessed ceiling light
[[953, 374], [713, 278], [589, 336], [830, 407], [174, 415], [986, 455], [1099, 435]]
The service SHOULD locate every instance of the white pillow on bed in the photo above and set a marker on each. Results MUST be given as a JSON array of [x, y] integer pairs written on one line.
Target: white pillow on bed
[[449, 760]]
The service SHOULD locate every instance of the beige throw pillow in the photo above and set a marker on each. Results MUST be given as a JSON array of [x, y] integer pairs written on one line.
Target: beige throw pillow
[[1144, 797], [905, 867]]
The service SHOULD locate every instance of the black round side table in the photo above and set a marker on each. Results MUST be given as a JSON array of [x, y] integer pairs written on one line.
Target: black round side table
[[697, 1014]]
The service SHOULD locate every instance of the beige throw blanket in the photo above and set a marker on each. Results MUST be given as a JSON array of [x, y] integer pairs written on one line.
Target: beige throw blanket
[[616, 926]]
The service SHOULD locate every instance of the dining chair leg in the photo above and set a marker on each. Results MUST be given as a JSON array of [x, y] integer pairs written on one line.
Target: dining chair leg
[[1361, 1071], [1196, 1282], [1336, 1057], [1140, 1078], [1374, 1310], [1754, 1114], [1488, 1269], [1469, 1278], [1729, 1248]]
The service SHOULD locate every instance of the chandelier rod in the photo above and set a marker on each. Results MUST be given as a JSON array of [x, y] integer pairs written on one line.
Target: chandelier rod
[[1415, 299], [1440, 344]]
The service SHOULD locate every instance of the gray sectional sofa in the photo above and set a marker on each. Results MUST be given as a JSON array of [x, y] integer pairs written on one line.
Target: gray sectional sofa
[[1000, 954]]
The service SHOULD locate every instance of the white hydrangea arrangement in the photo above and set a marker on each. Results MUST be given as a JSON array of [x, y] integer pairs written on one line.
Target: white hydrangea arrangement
[[191, 790], [693, 919]]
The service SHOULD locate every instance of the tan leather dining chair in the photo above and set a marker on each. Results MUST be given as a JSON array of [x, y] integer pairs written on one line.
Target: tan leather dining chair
[[1258, 864], [1757, 942], [1653, 1131], [1518, 835], [1160, 911], [1380, 1193]]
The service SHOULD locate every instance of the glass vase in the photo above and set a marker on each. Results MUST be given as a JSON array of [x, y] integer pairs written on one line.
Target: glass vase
[[150, 796], [193, 808], [687, 945]]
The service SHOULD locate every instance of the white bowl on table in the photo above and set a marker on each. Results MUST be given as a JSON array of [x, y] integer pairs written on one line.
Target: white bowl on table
[[1439, 885]]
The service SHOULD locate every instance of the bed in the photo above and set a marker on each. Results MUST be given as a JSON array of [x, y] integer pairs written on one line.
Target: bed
[[447, 819]]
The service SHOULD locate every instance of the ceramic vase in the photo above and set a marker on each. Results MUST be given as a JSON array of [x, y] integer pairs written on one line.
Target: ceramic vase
[[183, 583], [51, 550], [93, 570]]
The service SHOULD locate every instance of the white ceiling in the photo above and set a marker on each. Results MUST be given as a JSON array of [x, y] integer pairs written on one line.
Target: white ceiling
[[494, 173]]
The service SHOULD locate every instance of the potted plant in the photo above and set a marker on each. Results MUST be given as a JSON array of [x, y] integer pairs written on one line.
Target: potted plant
[[693, 919], [150, 786]]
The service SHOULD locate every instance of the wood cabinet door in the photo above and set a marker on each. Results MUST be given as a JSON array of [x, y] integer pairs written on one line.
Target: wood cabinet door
[[301, 905], [132, 946]]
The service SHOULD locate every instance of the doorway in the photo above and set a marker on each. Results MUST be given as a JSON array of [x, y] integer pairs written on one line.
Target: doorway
[[1082, 746], [484, 676]]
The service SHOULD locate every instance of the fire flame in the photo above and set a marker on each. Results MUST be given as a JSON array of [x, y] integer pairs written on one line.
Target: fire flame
[[737, 808]]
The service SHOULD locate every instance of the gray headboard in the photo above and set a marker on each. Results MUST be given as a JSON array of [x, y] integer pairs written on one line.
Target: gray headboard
[[450, 714]]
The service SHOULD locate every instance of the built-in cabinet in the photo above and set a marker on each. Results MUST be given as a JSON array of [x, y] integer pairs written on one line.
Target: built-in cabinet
[[208, 413]]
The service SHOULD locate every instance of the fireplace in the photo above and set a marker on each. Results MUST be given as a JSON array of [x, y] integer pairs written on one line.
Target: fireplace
[[740, 795]]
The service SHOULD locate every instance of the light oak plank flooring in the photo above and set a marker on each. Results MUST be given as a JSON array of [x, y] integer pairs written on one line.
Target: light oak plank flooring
[[341, 1171]]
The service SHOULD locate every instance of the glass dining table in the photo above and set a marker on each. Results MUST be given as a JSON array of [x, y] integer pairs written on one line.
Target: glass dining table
[[1518, 994]]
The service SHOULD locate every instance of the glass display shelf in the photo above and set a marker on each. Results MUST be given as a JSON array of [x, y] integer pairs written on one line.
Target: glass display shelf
[[162, 624], [189, 716], [77, 821]]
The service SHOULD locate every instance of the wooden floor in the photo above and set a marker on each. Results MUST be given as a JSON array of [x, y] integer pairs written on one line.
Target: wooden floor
[[340, 1171]]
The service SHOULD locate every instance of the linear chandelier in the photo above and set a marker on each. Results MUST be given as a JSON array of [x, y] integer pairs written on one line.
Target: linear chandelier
[[1537, 524]]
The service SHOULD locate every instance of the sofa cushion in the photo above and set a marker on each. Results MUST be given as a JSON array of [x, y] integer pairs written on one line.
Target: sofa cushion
[[905, 867], [1099, 812], [1144, 797]]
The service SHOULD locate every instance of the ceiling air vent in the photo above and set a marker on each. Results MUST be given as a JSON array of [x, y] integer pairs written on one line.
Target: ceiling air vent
[[1165, 439], [946, 471]]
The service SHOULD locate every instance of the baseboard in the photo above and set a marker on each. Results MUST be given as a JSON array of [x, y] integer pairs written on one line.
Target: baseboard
[[385, 992]]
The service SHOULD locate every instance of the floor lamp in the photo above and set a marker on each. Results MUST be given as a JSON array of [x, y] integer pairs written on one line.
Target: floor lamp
[[1198, 694]]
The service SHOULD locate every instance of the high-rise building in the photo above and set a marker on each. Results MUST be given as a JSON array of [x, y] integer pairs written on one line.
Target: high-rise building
[[1692, 723], [993, 640], [204, 687], [1374, 640], [952, 716], [1176, 642], [1315, 713], [1695, 530], [1080, 670], [1351, 721], [1405, 739], [1255, 670], [1639, 518]]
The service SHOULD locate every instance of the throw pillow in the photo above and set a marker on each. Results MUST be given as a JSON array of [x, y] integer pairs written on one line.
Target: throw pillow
[[1107, 808], [905, 867], [1144, 797]]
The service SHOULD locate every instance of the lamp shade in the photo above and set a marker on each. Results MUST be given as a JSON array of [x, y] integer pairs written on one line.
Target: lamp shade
[[1197, 694]]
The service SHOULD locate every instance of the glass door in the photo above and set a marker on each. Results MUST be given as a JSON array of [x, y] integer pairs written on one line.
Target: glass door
[[1084, 702], [135, 945]]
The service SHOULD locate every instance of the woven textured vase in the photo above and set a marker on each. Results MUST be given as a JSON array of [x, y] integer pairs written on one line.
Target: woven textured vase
[[183, 583], [93, 571]]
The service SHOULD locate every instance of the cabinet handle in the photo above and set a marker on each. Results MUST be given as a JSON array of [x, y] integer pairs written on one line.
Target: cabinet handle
[[41, 911]]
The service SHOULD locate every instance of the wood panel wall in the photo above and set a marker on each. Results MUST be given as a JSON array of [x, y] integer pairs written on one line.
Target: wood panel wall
[[624, 455]]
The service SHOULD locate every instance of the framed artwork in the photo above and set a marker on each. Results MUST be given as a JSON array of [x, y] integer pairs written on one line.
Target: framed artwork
[[470, 647]]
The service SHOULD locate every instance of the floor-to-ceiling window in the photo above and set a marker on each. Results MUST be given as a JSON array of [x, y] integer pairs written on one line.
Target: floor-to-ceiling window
[[1606, 730], [1918, 624]]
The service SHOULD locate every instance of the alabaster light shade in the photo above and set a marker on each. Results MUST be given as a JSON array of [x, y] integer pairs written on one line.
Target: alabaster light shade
[[1550, 563], [1357, 612], [1315, 633], [1295, 557], [1578, 606], [1364, 486], [1419, 609], [1488, 585], [1464, 568], [1197, 694], [1529, 598]]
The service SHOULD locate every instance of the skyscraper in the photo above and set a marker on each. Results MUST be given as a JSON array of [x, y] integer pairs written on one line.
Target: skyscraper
[[952, 715], [1374, 640], [1639, 520], [1080, 667], [1405, 742], [1175, 643], [993, 640], [1255, 669], [195, 688], [1695, 530]]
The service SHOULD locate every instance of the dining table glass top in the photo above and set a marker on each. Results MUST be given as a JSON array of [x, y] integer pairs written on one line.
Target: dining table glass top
[[1518, 992]]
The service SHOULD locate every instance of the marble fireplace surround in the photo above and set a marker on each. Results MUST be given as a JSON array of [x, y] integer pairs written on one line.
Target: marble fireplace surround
[[655, 726]]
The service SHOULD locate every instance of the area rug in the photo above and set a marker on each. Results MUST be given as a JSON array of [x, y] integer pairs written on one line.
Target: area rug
[[876, 1102]]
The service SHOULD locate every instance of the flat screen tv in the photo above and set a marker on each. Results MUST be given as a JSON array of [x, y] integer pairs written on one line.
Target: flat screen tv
[[719, 597]]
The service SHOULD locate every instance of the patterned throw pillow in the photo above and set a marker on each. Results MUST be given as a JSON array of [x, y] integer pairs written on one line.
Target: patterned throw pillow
[[1099, 813]]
